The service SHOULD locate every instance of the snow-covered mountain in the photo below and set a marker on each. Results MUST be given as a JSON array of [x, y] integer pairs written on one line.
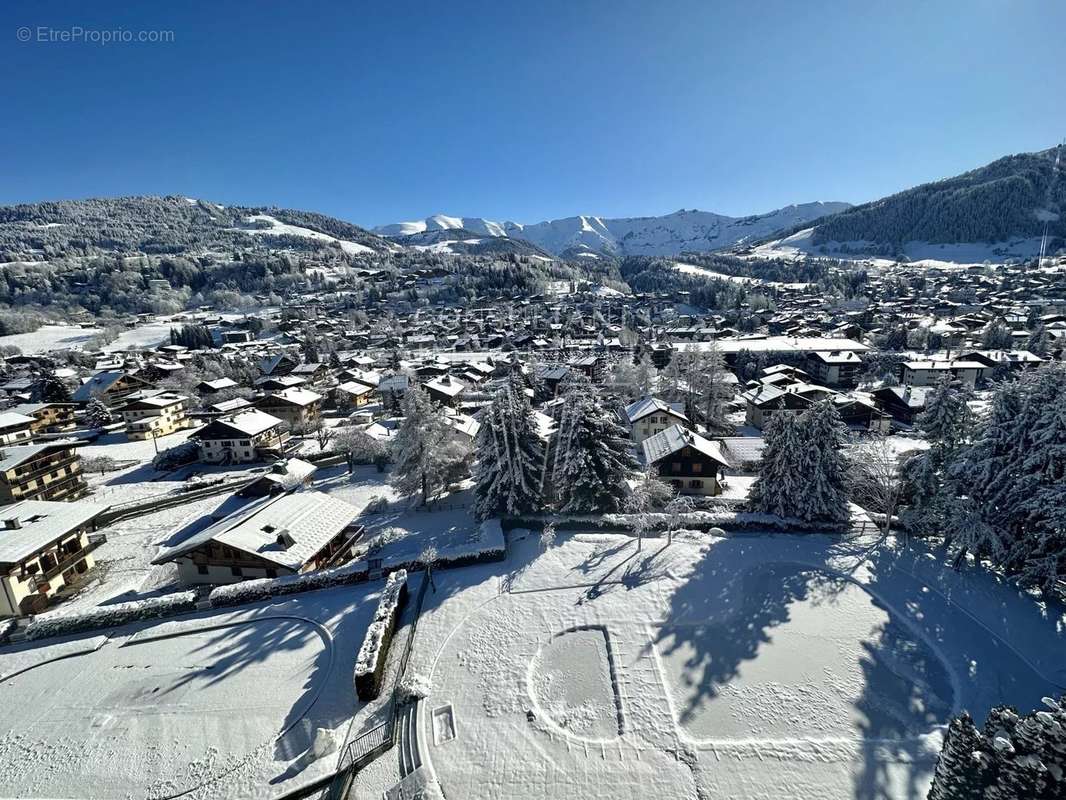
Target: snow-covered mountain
[[671, 234], [1011, 209]]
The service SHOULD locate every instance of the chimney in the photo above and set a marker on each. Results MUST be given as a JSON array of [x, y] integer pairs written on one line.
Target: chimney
[[12, 524]]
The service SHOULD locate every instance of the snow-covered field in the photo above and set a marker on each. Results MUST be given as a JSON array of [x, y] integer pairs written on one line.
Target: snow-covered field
[[279, 228], [693, 269], [213, 705], [60, 337], [755, 666]]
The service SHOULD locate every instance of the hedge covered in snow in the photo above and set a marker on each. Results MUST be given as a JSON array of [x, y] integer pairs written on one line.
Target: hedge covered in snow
[[370, 663], [264, 588], [112, 616], [734, 520]]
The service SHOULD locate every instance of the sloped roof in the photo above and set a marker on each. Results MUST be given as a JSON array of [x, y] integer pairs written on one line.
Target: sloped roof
[[676, 438], [246, 423], [651, 405], [12, 456], [310, 519], [42, 522]]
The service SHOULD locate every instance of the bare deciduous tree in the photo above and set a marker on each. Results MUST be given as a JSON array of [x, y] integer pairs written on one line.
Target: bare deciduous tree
[[877, 480]]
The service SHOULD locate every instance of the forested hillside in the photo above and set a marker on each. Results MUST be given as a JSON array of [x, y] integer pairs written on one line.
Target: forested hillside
[[159, 226], [1009, 198]]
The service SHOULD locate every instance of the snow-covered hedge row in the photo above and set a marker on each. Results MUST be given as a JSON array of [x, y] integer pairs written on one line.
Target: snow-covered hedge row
[[264, 588], [112, 616], [742, 520], [370, 663]]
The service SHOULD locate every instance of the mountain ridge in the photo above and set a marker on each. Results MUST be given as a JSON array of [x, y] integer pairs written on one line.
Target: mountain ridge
[[668, 234]]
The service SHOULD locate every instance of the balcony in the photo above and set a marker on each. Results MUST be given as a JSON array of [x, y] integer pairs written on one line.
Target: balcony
[[43, 468], [70, 559]]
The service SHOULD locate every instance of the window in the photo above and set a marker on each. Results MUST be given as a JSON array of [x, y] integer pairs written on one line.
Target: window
[[675, 466], [697, 467], [201, 569], [695, 484], [236, 572], [271, 572]]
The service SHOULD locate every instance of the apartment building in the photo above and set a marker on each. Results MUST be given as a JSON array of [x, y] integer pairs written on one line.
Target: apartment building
[[40, 472]]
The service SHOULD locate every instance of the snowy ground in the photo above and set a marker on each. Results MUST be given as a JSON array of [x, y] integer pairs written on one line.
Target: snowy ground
[[213, 705], [754, 666], [59, 337]]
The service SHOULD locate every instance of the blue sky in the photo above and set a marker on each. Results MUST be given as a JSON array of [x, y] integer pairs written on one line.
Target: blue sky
[[377, 112]]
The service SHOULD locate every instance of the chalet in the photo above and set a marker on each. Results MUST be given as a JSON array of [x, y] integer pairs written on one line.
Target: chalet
[[835, 367], [551, 376], [445, 390], [237, 336], [208, 388], [351, 394], [592, 367], [278, 365], [277, 383], [861, 415], [15, 428], [284, 534], [649, 416], [764, 401], [229, 406], [312, 373], [242, 438], [48, 417], [685, 460], [20, 388], [152, 417], [45, 549], [285, 475], [298, 407], [110, 387], [902, 403], [392, 389], [161, 370], [40, 472]]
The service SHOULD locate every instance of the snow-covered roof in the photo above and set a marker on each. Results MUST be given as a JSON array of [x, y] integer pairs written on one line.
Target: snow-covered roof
[[12, 419], [836, 357], [298, 397], [354, 387], [16, 455], [41, 522], [306, 519], [676, 438], [218, 384], [446, 385], [651, 405], [246, 423]]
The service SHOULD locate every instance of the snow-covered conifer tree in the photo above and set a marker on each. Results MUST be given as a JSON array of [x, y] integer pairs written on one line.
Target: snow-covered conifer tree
[[962, 766], [423, 451], [594, 456], [97, 415], [510, 456], [778, 487], [825, 496]]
